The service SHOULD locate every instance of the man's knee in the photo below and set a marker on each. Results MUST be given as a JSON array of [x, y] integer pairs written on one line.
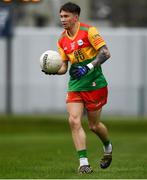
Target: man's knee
[[74, 121], [94, 126]]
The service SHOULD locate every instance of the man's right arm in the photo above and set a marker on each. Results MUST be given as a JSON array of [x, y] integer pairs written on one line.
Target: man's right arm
[[63, 68]]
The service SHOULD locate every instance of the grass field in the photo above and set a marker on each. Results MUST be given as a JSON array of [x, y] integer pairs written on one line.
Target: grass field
[[41, 147]]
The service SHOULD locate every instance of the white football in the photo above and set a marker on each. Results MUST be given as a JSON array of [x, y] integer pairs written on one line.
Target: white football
[[50, 61]]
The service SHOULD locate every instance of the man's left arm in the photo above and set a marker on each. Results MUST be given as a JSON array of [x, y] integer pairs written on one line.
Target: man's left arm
[[80, 71], [103, 55]]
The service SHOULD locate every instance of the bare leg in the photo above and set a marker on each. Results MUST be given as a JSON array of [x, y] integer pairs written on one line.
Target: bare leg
[[101, 131], [96, 126], [75, 111]]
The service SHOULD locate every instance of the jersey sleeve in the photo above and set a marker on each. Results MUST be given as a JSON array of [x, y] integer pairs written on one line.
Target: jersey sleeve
[[95, 38], [62, 53]]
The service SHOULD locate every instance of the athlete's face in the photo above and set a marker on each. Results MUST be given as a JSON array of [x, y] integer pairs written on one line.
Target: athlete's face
[[68, 19]]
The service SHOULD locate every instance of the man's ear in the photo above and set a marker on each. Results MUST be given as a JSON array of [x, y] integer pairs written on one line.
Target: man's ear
[[76, 18]]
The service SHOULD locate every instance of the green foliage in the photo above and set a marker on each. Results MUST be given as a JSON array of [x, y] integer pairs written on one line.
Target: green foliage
[[42, 147]]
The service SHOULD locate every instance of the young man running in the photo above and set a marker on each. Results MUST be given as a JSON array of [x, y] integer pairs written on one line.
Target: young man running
[[82, 46]]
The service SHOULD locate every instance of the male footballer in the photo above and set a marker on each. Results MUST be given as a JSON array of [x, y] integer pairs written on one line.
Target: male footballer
[[82, 46]]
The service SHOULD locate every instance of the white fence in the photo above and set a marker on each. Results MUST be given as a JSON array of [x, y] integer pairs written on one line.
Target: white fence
[[33, 92]]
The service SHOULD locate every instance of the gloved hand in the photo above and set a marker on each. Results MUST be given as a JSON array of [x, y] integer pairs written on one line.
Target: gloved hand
[[48, 73], [78, 71]]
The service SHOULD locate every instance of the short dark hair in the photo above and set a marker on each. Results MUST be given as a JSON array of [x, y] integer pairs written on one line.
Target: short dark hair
[[71, 7]]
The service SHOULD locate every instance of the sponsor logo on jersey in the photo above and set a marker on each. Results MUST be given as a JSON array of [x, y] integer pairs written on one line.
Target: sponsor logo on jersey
[[80, 42]]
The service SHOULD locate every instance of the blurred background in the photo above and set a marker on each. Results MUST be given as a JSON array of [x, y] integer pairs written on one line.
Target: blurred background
[[28, 28], [34, 132]]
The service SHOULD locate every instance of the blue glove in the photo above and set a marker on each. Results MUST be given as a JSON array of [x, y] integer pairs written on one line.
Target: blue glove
[[78, 71]]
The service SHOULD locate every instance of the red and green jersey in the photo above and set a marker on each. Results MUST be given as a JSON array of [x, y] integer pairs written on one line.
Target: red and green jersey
[[81, 50]]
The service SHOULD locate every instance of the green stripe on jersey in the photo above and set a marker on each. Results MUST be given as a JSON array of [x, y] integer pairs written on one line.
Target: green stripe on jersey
[[84, 28], [93, 80]]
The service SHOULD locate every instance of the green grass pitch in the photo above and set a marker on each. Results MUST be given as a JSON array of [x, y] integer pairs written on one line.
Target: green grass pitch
[[41, 147]]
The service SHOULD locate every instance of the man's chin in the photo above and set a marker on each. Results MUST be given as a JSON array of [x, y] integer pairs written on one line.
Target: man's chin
[[65, 27]]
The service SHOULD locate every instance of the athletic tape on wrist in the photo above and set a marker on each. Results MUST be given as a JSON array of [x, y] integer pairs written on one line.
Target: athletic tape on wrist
[[90, 65]]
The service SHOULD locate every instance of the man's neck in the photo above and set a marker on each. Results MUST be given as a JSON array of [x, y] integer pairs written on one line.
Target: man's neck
[[73, 30]]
